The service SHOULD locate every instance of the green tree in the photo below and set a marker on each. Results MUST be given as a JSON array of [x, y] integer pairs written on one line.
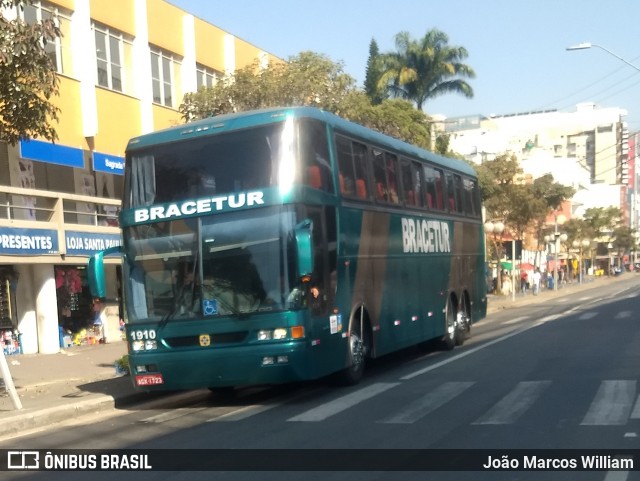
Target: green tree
[[423, 69], [28, 78], [306, 79], [394, 117], [548, 196], [602, 220], [522, 206], [372, 78]]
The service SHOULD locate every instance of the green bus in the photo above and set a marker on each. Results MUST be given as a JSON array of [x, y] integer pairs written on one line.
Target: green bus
[[288, 244]]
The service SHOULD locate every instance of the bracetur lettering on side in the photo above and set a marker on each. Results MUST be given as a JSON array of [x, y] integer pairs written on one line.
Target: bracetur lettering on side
[[420, 235]]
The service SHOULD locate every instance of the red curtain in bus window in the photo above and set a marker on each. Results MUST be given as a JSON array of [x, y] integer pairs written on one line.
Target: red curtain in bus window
[[314, 180], [361, 188]]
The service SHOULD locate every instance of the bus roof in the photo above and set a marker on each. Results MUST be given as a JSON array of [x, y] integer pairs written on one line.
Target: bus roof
[[241, 120]]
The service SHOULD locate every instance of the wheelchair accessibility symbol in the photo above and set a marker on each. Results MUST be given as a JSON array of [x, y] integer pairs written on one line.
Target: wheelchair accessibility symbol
[[209, 307]]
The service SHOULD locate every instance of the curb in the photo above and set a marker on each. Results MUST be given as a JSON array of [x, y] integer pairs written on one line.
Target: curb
[[16, 423]]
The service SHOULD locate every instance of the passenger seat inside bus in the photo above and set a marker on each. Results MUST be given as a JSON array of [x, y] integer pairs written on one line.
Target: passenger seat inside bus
[[361, 188], [314, 178]]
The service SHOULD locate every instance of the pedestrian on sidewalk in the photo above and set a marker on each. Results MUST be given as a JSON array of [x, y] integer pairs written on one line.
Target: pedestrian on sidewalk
[[537, 277], [524, 280]]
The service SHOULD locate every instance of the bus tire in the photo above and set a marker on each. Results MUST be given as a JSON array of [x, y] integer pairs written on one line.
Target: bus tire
[[357, 354], [448, 341], [463, 323]]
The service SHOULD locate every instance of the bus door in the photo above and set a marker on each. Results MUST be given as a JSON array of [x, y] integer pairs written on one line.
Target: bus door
[[326, 326]]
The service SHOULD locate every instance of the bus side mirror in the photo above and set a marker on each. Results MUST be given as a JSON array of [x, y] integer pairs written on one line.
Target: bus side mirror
[[304, 248], [95, 271]]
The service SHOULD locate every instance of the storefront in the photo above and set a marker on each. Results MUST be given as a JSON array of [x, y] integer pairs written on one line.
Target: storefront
[[9, 337], [45, 301]]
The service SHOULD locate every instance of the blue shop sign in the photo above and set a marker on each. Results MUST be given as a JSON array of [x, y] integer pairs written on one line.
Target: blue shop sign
[[27, 242], [86, 243], [52, 153], [111, 164]]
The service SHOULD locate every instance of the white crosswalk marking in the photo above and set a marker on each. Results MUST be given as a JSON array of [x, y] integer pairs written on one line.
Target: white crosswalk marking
[[171, 415], [336, 406], [635, 414], [612, 404], [587, 315], [426, 404], [242, 413], [514, 404], [516, 320]]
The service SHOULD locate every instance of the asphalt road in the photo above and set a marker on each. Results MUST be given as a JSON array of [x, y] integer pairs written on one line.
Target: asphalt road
[[556, 376]]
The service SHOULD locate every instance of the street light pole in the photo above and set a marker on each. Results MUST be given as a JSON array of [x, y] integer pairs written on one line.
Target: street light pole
[[513, 269], [587, 45], [559, 219], [634, 192]]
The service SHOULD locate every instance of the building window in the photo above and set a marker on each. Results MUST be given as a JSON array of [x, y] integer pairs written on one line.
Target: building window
[[41, 11], [109, 54], [206, 77], [162, 72]]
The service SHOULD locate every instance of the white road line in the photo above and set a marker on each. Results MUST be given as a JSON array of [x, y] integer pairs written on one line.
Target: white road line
[[612, 404], [514, 404], [635, 414], [616, 476], [432, 401], [516, 320], [587, 315], [444, 362], [243, 413], [171, 415], [623, 315], [336, 406]]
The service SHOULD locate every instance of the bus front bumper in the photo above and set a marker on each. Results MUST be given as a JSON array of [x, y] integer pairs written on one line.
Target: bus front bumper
[[274, 363]]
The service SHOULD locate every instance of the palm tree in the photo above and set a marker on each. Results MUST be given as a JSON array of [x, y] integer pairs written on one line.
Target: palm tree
[[426, 68]]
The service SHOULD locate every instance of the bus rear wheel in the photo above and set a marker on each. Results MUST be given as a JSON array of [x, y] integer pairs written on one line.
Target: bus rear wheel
[[463, 324], [448, 341]]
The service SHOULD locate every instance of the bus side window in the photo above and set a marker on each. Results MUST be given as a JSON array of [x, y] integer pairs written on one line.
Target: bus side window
[[360, 166], [433, 188], [314, 153], [379, 176], [345, 165], [392, 178], [410, 183]]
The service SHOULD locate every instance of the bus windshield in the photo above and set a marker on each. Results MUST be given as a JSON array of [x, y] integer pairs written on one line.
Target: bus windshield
[[230, 162], [229, 264]]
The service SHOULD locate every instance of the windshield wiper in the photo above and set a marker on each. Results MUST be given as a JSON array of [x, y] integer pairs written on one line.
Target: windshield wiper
[[178, 304]]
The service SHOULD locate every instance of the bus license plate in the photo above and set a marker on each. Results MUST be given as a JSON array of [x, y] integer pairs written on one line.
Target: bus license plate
[[149, 379]]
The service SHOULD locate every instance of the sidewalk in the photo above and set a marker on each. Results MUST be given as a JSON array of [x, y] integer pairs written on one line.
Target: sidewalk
[[498, 302], [82, 380]]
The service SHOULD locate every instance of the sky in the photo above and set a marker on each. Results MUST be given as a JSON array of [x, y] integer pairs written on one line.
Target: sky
[[517, 48]]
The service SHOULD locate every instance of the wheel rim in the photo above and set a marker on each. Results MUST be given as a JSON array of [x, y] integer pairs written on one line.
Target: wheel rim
[[356, 351], [451, 322]]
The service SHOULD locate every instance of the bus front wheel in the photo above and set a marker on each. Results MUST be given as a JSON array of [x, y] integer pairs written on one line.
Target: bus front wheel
[[357, 353]]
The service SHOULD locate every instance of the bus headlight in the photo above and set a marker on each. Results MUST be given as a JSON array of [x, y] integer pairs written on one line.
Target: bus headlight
[[280, 333], [264, 335]]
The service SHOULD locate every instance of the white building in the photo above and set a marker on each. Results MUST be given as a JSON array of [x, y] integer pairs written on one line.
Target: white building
[[586, 149]]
